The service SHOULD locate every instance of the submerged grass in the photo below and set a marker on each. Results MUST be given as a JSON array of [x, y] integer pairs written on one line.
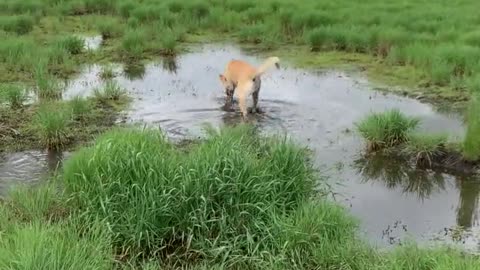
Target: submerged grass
[[236, 200]]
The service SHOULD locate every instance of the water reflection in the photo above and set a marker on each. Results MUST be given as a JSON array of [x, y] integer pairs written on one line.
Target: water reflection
[[133, 71], [396, 173], [170, 64], [467, 212]]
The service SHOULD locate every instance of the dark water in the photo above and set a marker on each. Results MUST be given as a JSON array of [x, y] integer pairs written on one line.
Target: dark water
[[391, 200]]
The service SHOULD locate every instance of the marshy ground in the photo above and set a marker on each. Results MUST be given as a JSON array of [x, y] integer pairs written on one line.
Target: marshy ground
[[102, 65]]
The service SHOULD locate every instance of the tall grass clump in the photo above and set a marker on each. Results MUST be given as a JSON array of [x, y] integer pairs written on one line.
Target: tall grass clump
[[107, 72], [215, 202], [386, 129], [134, 43], [51, 122], [471, 143], [47, 86], [72, 44], [168, 43], [14, 95], [426, 147], [109, 28], [110, 91], [80, 107], [19, 24]]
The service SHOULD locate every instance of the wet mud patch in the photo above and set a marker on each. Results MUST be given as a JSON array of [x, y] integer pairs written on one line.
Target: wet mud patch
[[179, 95]]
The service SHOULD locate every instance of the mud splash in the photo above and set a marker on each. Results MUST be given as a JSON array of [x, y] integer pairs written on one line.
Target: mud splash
[[319, 108]]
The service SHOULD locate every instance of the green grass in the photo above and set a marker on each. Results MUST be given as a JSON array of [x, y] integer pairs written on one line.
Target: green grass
[[109, 28], [226, 188], [236, 200], [425, 147], [13, 95], [19, 24], [110, 91], [134, 44], [47, 86], [107, 72], [80, 107], [51, 122], [168, 43], [387, 129], [471, 143], [72, 44]]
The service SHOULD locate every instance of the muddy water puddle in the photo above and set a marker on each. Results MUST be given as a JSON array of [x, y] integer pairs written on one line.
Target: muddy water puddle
[[391, 199], [27, 167]]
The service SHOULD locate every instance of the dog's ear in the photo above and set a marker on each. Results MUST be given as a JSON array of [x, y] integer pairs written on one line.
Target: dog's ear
[[222, 78]]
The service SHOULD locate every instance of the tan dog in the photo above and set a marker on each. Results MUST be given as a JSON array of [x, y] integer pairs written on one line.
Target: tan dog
[[246, 79]]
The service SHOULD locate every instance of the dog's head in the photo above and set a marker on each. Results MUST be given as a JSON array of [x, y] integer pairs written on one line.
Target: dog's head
[[227, 85]]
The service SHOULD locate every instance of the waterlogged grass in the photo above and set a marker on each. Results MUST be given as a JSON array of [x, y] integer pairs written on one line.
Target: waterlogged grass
[[134, 44], [236, 200], [51, 122], [392, 132], [387, 129], [426, 147], [111, 91], [107, 72], [47, 86], [13, 95], [80, 107], [72, 44], [57, 124]]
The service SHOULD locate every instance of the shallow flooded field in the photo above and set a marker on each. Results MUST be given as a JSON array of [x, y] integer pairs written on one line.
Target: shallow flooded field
[[318, 108]]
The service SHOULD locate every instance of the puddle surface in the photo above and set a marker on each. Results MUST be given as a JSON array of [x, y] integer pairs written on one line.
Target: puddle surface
[[92, 42], [27, 167], [319, 109]]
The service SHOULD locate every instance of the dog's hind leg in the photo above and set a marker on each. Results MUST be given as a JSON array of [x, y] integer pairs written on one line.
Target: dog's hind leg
[[257, 83]]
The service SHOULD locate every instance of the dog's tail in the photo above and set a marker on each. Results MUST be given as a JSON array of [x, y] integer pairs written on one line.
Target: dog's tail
[[269, 63]]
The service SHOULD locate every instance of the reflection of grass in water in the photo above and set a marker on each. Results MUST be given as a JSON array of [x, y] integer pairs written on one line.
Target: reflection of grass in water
[[396, 172], [134, 70], [469, 192]]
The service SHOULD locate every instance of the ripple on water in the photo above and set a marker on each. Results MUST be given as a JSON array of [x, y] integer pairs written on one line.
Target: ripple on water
[[317, 108], [27, 167]]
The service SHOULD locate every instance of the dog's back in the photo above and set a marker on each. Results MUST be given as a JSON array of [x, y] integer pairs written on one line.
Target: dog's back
[[238, 71]]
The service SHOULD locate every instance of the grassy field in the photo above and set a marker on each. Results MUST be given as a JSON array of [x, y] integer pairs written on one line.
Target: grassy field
[[236, 200], [424, 44]]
